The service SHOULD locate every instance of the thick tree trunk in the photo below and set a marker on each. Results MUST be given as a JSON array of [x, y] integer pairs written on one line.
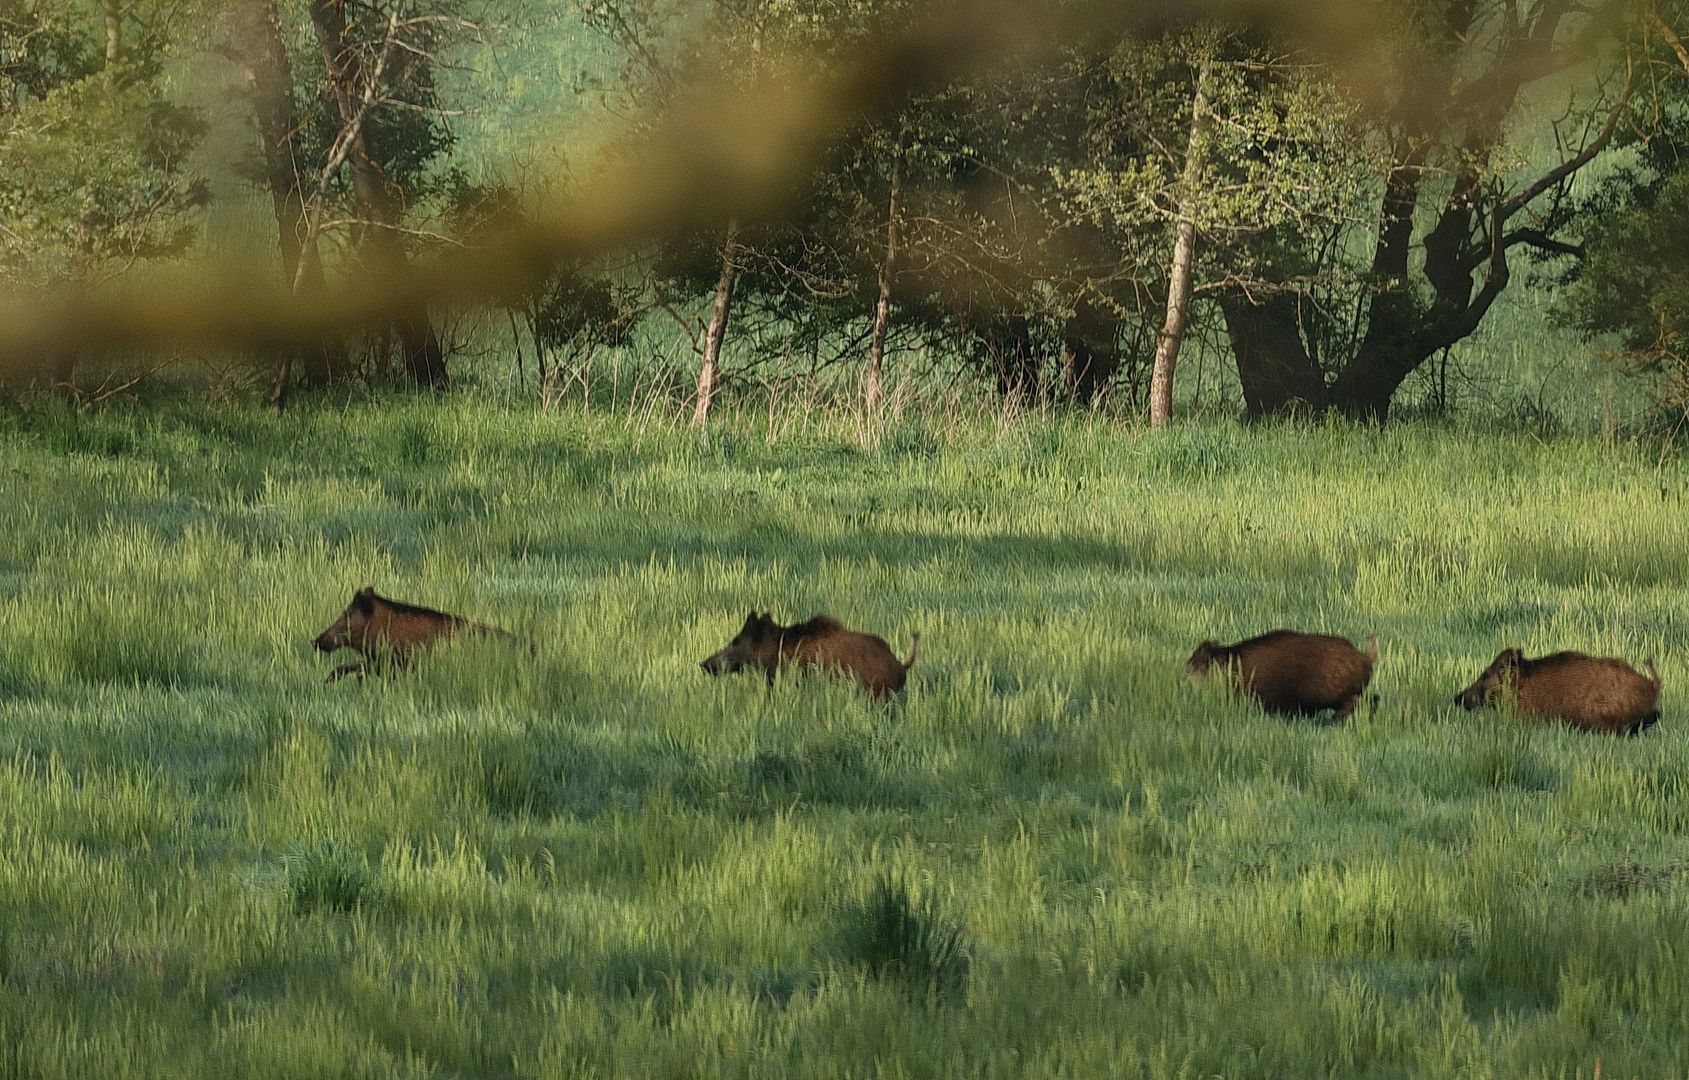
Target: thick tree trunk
[[882, 309], [1008, 345], [1277, 374], [1364, 388], [263, 60], [1184, 250], [1402, 332], [1092, 351], [710, 370], [424, 359], [1471, 235]]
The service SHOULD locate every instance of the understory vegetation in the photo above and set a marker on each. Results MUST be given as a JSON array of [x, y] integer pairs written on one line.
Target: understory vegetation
[[1052, 856]]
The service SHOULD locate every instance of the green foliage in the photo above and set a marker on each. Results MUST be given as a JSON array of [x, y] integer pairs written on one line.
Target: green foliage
[[1344, 236], [46, 46], [95, 169], [1633, 285], [1287, 147], [405, 130]]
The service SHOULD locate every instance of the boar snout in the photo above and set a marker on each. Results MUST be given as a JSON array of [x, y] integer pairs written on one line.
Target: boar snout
[[338, 635], [1477, 695], [1202, 659], [720, 663]]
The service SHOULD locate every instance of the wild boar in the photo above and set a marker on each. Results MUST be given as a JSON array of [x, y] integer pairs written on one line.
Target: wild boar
[[821, 642], [1596, 693], [1288, 672], [381, 629]]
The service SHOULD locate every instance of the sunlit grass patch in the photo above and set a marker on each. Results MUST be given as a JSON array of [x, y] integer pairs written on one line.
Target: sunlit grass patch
[[1053, 851]]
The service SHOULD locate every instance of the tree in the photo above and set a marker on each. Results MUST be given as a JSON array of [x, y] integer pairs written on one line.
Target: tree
[[1632, 277], [350, 132], [1184, 243], [709, 370], [260, 52], [94, 174], [667, 45], [363, 72], [1207, 140], [882, 305], [1446, 209]]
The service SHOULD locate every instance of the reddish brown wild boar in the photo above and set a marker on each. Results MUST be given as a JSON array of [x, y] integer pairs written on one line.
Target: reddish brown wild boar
[[380, 628], [1288, 672], [1596, 693], [821, 642]]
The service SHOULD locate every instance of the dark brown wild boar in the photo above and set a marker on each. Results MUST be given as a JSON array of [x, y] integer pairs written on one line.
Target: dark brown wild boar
[[1288, 672], [1596, 693], [821, 642], [380, 628]]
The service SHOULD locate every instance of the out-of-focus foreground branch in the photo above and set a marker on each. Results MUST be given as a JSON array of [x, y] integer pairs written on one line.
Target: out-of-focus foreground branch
[[721, 153]]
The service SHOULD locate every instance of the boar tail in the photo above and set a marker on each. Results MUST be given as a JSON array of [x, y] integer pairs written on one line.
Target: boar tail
[[1372, 647], [1653, 675], [914, 651]]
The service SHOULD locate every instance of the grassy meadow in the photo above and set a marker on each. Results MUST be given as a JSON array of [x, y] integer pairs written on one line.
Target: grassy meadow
[[1053, 857]]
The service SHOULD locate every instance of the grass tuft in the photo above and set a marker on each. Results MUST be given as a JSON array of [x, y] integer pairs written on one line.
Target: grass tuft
[[1500, 755], [1624, 877], [329, 877], [898, 937]]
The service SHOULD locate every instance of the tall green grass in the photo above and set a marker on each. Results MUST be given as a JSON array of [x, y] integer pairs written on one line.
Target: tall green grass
[[1054, 856]]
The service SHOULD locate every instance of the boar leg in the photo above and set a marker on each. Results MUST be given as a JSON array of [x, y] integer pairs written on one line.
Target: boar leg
[[1346, 707], [1642, 725], [357, 667]]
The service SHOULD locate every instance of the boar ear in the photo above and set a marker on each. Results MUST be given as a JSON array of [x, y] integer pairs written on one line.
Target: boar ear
[[364, 601]]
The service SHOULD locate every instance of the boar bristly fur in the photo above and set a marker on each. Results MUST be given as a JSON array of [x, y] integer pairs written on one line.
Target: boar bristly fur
[[823, 643], [1290, 672], [380, 628], [1596, 693]]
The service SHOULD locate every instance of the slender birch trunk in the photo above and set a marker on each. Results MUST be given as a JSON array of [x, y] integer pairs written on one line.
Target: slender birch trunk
[[882, 310], [1184, 247], [64, 362], [710, 370], [114, 39]]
